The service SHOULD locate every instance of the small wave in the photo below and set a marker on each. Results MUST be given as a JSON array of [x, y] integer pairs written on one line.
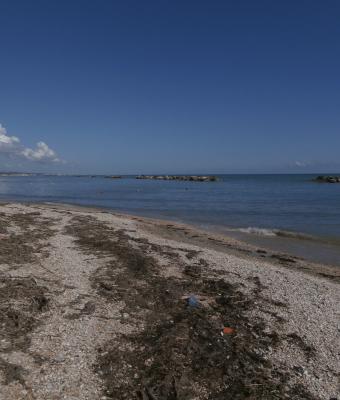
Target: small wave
[[278, 233], [266, 232], [258, 231]]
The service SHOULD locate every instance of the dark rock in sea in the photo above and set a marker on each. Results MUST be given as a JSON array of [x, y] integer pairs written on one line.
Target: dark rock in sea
[[260, 251], [327, 179], [193, 178], [113, 176]]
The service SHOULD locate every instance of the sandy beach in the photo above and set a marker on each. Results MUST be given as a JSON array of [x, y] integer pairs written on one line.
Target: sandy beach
[[99, 305]]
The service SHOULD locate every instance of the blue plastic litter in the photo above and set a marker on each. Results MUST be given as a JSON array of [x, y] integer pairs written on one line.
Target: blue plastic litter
[[193, 302]]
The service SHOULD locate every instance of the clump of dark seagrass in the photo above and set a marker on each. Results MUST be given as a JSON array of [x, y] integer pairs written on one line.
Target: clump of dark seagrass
[[206, 349]]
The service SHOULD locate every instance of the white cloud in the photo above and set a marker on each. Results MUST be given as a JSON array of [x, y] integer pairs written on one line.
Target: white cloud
[[41, 153], [11, 145], [300, 164], [8, 144]]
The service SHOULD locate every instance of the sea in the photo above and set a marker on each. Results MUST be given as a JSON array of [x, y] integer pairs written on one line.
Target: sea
[[286, 213]]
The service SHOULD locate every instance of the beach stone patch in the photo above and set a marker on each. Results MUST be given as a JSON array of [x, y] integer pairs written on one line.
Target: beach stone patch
[[119, 326], [213, 352]]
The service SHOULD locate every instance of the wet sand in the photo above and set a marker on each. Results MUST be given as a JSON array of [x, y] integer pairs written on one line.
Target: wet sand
[[94, 305]]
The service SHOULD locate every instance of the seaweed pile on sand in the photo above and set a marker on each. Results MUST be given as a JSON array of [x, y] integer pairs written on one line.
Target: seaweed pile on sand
[[192, 336]]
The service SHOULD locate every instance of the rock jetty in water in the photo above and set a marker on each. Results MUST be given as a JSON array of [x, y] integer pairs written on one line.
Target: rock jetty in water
[[193, 178], [327, 179]]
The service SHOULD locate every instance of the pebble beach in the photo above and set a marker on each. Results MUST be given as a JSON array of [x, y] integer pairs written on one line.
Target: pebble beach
[[100, 305]]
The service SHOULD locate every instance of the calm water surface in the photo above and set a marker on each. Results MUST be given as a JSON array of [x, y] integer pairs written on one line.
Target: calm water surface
[[252, 207]]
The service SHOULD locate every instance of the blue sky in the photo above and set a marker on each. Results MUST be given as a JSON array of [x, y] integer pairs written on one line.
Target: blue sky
[[170, 86]]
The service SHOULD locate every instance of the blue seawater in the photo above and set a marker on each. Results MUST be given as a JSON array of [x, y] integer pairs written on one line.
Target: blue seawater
[[250, 205]]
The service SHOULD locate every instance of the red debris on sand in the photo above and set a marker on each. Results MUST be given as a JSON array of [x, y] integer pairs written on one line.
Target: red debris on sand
[[228, 331]]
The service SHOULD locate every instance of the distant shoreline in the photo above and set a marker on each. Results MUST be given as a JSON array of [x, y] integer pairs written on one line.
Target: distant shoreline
[[136, 175]]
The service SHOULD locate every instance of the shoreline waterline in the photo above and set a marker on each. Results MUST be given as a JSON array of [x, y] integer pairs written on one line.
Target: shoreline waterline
[[313, 249], [298, 245], [264, 205]]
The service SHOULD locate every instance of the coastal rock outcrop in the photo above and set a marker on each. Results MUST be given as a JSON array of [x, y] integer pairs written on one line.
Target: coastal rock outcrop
[[327, 179], [193, 178]]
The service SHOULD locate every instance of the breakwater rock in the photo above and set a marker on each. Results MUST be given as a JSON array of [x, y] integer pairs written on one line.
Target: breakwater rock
[[193, 178], [327, 179], [113, 177]]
